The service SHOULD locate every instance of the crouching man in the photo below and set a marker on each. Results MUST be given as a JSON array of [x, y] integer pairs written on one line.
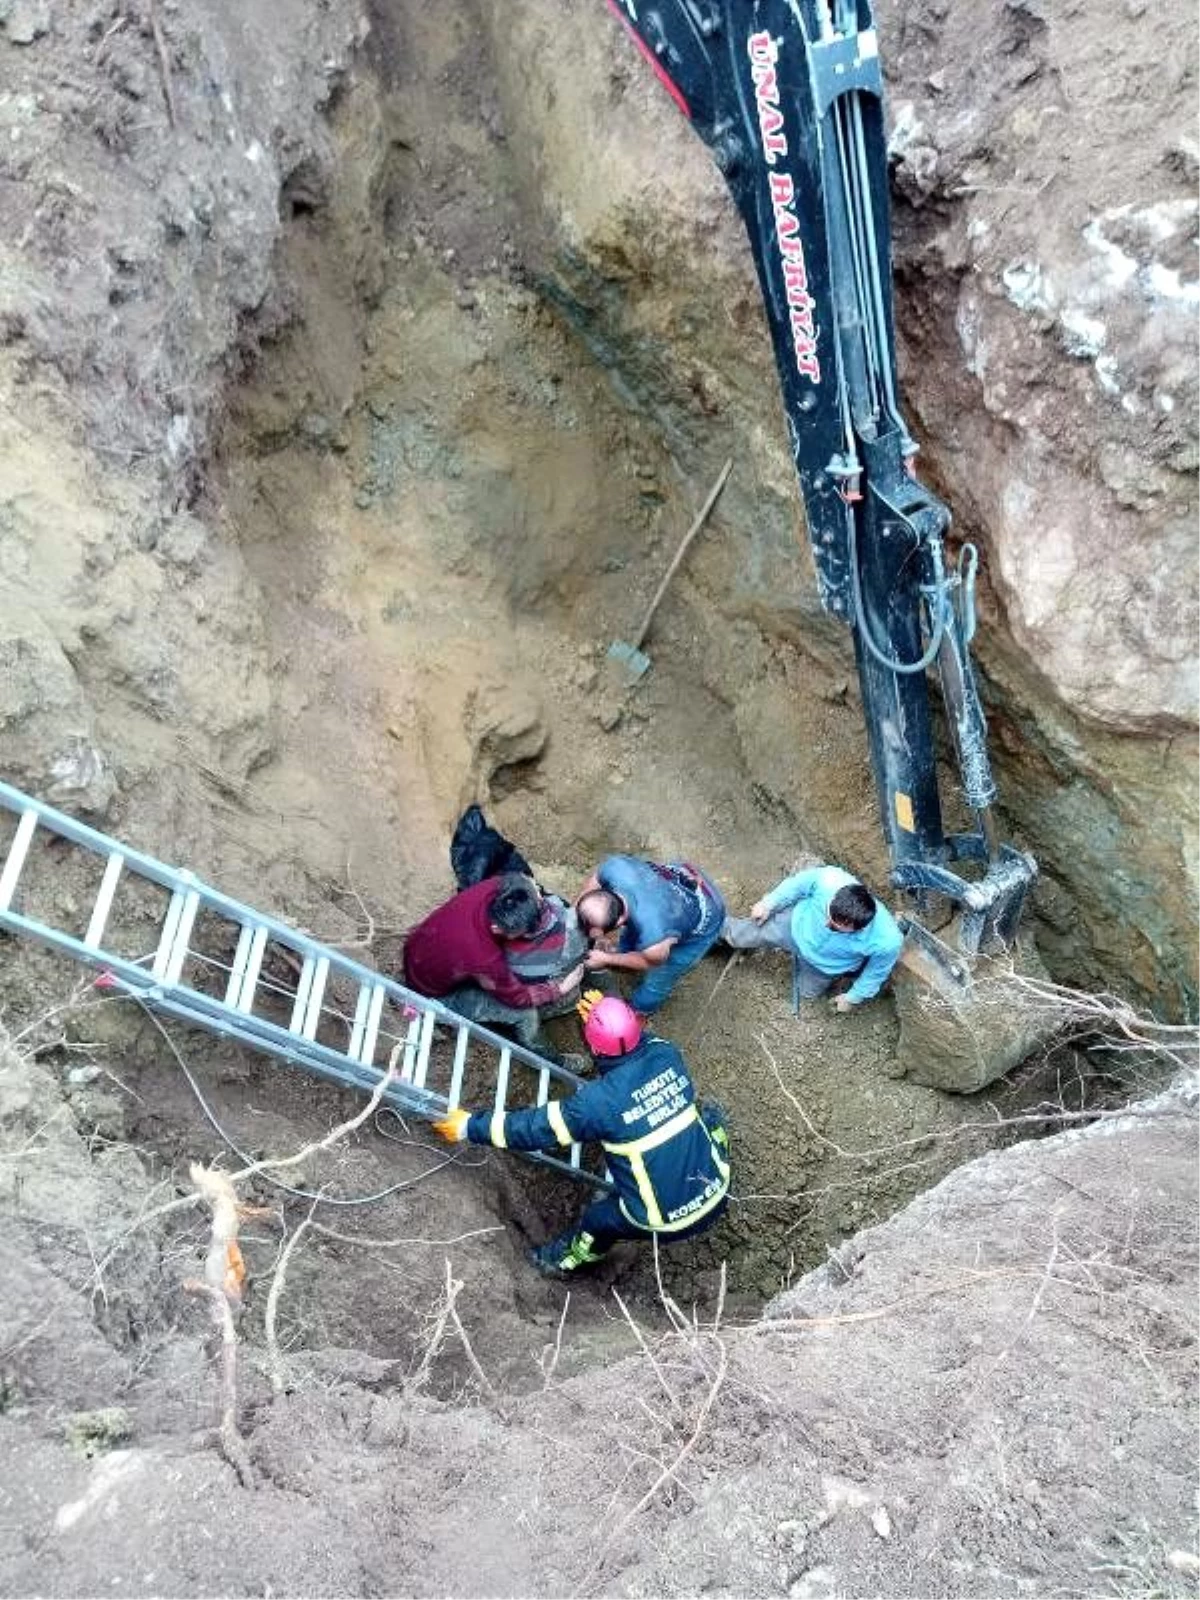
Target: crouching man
[[831, 925], [668, 1156], [488, 952]]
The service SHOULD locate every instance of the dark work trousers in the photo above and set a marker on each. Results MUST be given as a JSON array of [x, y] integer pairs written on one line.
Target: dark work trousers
[[607, 1224]]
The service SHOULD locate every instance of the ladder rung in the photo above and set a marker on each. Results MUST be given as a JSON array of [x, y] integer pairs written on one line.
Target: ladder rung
[[104, 900], [421, 1069], [316, 998], [408, 1046], [255, 951], [166, 939], [460, 1061], [300, 1003], [502, 1080], [304, 984], [359, 1026], [238, 970], [18, 850], [183, 937], [366, 1050]]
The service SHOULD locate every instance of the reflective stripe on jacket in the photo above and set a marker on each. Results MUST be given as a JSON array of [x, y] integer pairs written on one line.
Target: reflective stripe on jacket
[[667, 1171]]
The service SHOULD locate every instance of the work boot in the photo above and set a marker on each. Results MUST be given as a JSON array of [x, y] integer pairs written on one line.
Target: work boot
[[561, 1257]]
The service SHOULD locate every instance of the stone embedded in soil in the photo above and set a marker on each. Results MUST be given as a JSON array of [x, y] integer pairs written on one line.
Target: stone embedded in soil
[[24, 21]]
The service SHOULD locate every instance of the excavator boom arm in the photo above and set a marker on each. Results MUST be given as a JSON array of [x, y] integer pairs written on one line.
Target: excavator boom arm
[[787, 94]]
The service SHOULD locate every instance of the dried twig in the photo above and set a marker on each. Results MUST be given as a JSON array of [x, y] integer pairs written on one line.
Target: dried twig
[[453, 1287], [392, 1244], [445, 1317], [674, 1315], [224, 1274], [280, 1163], [274, 1164], [847, 1318], [646, 1351], [694, 1031], [550, 1354], [1104, 1019], [232, 1442], [225, 1270], [1027, 1119], [720, 1311], [278, 1279], [671, 1470], [434, 1343], [164, 62]]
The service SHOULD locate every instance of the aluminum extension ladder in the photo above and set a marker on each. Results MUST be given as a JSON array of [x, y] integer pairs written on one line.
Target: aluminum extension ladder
[[210, 961]]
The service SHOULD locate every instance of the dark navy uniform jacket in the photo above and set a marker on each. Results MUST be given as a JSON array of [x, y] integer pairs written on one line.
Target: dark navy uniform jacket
[[667, 1171]]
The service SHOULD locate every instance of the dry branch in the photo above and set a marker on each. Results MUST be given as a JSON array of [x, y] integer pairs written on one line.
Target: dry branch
[[1109, 1022], [453, 1286], [551, 1352], [671, 1469], [164, 62], [232, 1442], [936, 1135], [224, 1274], [646, 1351], [278, 1280], [225, 1269], [368, 1243], [280, 1163], [436, 1339]]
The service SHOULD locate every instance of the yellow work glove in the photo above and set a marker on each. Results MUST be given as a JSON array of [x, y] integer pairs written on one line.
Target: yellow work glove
[[453, 1126], [586, 1001]]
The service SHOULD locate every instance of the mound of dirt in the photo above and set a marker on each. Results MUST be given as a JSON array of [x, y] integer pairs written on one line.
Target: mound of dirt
[[991, 1394]]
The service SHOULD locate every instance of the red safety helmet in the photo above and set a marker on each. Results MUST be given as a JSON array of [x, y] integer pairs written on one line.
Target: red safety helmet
[[612, 1027]]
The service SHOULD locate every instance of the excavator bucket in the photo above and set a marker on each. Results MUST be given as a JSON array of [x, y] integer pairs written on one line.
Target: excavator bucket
[[965, 1021]]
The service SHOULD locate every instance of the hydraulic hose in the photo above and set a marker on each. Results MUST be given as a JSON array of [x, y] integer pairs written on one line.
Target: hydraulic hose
[[939, 605]]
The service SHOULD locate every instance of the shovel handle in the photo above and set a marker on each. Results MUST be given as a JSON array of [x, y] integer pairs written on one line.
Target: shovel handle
[[701, 518]]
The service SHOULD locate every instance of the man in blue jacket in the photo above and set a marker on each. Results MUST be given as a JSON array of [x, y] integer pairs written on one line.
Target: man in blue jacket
[[651, 919], [667, 1156], [830, 924]]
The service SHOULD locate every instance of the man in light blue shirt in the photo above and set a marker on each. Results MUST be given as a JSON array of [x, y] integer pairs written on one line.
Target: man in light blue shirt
[[830, 924]]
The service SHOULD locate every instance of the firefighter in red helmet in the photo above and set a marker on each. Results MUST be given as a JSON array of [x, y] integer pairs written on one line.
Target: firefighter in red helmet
[[668, 1157]]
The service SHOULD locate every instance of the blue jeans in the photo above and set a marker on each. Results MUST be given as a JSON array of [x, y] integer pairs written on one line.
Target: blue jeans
[[657, 984]]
